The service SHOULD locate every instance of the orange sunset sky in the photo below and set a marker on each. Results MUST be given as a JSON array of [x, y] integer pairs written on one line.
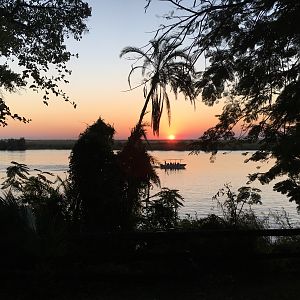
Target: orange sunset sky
[[99, 80]]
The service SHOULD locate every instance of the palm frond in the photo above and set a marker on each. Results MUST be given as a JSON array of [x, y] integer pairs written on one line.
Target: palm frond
[[130, 74], [130, 50], [178, 54], [168, 104], [145, 66]]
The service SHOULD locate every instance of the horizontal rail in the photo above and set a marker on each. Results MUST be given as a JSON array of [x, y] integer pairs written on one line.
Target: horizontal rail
[[192, 234]]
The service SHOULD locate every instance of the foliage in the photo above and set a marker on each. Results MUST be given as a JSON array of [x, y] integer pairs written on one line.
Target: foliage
[[163, 65], [95, 174], [236, 207], [17, 229], [110, 187], [161, 212], [251, 51], [33, 34], [139, 176], [15, 217], [194, 223], [37, 192], [34, 211], [16, 176], [235, 212]]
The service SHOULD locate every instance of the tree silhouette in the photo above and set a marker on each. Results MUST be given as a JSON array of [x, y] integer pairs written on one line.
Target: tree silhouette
[[32, 43], [162, 211], [253, 54], [96, 176], [138, 174], [164, 65]]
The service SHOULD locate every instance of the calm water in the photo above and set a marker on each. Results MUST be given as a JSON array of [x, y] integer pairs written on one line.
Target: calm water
[[198, 183]]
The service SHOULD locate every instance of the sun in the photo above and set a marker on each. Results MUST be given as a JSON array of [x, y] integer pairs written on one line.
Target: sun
[[171, 137]]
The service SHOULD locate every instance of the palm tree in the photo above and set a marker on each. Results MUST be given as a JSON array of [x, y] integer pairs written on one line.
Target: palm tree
[[163, 66]]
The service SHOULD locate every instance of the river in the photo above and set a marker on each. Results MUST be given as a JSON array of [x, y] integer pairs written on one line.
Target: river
[[198, 183]]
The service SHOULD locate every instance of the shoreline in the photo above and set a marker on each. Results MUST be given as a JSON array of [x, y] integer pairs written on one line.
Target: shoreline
[[161, 145]]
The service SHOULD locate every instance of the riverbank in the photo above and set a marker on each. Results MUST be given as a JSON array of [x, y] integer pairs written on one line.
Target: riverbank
[[163, 145]]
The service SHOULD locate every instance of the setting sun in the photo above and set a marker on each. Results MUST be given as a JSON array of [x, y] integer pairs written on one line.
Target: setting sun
[[171, 137]]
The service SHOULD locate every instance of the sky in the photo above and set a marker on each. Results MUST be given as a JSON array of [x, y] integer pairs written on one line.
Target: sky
[[98, 82]]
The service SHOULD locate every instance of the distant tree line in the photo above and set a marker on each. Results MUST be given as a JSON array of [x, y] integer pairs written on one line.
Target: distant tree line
[[150, 145], [13, 144]]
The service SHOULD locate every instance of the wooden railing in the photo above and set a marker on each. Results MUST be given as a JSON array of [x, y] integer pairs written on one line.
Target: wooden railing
[[166, 235], [179, 244]]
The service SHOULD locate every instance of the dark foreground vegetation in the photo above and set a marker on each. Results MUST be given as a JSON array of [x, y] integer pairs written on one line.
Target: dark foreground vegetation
[[99, 235], [152, 266]]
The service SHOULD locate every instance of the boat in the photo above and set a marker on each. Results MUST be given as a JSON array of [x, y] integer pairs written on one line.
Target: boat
[[173, 164]]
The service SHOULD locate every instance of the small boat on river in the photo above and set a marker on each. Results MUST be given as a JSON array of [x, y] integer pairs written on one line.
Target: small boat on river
[[173, 164]]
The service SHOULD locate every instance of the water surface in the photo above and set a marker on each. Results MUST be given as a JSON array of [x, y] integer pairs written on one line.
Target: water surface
[[198, 183]]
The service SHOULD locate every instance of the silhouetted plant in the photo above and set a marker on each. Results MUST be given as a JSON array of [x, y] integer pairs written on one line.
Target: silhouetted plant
[[36, 191], [95, 175], [164, 65], [138, 174], [211, 222], [162, 210], [110, 187], [38, 211], [17, 230], [33, 37], [236, 207], [15, 216], [16, 176]]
